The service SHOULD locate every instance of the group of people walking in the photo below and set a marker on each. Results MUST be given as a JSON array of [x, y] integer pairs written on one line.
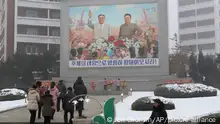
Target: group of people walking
[[47, 100]]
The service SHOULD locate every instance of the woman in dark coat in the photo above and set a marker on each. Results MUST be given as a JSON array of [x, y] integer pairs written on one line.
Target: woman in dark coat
[[47, 111], [80, 89], [159, 114]]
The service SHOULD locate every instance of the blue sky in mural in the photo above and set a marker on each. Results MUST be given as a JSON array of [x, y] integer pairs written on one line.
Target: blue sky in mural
[[114, 13]]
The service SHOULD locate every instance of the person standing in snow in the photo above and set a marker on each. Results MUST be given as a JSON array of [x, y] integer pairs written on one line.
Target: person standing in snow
[[159, 114], [33, 100]]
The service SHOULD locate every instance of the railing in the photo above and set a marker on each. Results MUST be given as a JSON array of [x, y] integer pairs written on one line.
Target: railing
[[73, 100]]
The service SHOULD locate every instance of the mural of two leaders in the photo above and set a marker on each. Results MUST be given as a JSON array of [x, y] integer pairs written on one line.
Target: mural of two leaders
[[113, 32]]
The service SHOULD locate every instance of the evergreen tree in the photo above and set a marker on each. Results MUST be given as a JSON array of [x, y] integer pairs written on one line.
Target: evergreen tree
[[21, 67], [192, 67], [211, 73], [201, 64]]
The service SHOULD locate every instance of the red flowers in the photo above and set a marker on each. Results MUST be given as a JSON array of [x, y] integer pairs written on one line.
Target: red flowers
[[85, 52], [119, 43], [111, 38]]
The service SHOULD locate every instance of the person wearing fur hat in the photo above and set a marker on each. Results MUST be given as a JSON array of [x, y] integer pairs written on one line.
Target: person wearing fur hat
[[159, 114]]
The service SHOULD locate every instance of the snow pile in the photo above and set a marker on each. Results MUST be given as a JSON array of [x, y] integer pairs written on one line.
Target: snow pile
[[190, 88], [10, 105], [13, 91], [7, 105]]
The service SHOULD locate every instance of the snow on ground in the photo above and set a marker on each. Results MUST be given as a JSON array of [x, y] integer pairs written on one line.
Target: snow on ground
[[9, 105], [186, 109]]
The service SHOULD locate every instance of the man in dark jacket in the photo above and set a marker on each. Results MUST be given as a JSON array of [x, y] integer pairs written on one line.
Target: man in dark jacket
[[47, 103], [80, 89], [159, 114], [62, 90], [68, 106]]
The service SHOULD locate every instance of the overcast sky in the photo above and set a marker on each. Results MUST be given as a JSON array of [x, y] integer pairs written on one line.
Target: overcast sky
[[173, 19]]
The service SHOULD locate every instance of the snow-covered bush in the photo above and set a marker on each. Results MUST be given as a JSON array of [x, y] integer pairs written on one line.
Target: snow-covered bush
[[146, 104], [185, 90], [11, 94]]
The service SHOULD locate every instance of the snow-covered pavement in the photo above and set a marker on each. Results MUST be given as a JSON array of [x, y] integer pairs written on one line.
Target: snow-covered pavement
[[9, 105], [186, 108]]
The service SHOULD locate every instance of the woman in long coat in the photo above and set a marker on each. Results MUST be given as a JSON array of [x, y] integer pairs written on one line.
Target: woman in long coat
[[55, 93], [33, 100]]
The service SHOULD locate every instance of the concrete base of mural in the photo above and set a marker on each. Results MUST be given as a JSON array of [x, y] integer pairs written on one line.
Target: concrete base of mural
[[136, 83]]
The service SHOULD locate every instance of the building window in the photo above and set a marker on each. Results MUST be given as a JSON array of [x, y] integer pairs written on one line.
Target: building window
[[54, 14], [31, 50], [187, 13], [186, 2], [185, 37], [207, 34], [204, 11], [206, 22], [203, 1], [56, 33], [32, 31], [187, 25], [31, 13]]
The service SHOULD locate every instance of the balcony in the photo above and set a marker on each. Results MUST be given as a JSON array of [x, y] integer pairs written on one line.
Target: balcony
[[198, 41], [38, 21], [197, 29], [39, 4], [196, 6], [37, 39], [195, 18]]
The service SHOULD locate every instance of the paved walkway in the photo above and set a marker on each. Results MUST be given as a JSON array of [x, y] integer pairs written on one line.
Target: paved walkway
[[91, 109]]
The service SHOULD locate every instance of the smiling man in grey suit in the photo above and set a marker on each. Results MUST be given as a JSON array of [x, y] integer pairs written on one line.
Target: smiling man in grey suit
[[100, 30]]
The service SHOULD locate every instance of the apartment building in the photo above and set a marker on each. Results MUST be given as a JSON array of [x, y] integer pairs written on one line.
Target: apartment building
[[199, 25], [3, 30], [35, 26]]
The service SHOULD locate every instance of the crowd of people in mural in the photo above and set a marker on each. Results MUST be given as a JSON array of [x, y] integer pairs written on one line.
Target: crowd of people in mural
[[45, 101]]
